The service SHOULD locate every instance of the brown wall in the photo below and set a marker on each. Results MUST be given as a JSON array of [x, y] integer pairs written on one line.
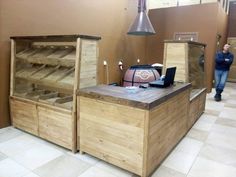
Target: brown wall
[[222, 27], [109, 19], [196, 18]]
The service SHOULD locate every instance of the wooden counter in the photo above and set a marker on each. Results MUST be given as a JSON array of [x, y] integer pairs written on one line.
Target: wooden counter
[[134, 131], [143, 98]]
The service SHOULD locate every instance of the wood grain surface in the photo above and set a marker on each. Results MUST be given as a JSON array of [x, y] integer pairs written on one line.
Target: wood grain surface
[[143, 98]]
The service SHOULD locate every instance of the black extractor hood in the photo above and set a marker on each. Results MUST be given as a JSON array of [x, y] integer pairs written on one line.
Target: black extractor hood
[[142, 24]]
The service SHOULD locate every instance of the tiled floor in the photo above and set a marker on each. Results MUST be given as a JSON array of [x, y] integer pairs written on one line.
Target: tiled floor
[[208, 150]]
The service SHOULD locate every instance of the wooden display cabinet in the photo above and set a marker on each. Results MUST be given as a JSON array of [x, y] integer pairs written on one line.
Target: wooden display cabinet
[[188, 57], [46, 72]]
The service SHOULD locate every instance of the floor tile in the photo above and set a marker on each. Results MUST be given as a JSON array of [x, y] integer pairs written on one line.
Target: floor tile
[[229, 113], [227, 130], [197, 134], [36, 157], [55, 146], [85, 158], [167, 172], [9, 133], [226, 122], [213, 105], [229, 105], [205, 122], [31, 175], [113, 169], [179, 161], [201, 125], [2, 156], [231, 101], [63, 166], [18, 145], [208, 118], [219, 154], [9, 168], [5, 129], [48, 143], [224, 140], [233, 95], [189, 146], [96, 172], [208, 168], [212, 112]]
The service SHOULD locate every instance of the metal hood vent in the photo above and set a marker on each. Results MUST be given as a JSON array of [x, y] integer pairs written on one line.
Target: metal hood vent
[[142, 24]]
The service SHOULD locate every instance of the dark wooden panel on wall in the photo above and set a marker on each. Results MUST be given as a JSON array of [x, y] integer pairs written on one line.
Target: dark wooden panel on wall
[[186, 36], [4, 83], [232, 20]]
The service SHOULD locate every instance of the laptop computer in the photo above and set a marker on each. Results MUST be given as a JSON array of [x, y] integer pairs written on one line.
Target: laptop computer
[[168, 80]]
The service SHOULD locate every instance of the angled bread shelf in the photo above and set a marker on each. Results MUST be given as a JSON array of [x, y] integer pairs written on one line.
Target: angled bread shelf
[[46, 72], [50, 55]]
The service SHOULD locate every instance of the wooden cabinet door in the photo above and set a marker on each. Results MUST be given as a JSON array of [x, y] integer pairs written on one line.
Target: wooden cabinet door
[[24, 115], [56, 126]]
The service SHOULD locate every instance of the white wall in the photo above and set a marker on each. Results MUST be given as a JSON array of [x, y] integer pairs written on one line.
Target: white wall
[[188, 2], [208, 1], [156, 4]]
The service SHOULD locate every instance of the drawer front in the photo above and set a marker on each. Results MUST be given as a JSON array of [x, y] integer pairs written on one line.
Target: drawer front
[[193, 112], [202, 102], [24, 116], [55, 126]]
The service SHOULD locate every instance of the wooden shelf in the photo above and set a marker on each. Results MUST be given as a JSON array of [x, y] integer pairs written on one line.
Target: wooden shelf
[[56, 86], [48, 97], [58, 78], [46, 72], [63, 56]]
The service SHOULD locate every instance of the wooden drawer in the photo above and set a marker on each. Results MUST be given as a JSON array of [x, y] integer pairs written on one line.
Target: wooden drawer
[[56, 126], [197, 106], [24, 115], [193, 111], [202, 102]]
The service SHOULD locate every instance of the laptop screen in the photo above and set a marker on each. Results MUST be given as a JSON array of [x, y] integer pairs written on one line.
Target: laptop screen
[[170, 76]]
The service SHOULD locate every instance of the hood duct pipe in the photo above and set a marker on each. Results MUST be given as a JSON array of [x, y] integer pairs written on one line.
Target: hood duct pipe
[[142, 24]]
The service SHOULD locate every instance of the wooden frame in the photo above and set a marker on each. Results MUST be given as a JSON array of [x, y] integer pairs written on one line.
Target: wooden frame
[[45, 78], [186, 56]]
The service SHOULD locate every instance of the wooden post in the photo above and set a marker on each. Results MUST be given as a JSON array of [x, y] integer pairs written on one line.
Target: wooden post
[[76, 87], [12, 77]]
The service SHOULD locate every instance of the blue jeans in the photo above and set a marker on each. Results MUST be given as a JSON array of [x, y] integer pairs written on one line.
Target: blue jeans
[[220, 80]]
